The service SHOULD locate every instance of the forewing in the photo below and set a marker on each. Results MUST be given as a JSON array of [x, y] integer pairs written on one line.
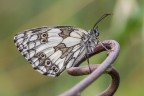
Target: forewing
[[50, 49]]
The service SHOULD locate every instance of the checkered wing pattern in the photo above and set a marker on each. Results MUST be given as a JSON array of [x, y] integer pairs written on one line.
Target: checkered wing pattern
[[50, 50]]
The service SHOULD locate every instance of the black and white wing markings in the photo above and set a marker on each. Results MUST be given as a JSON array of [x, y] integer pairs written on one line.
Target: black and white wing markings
[[64, 62], [73, 55], [50, 49]]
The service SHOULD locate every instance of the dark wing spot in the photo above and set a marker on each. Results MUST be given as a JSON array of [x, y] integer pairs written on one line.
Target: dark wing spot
[[44, 35], [48, 62], [44, 40], [41, 55], [55, 68], [66, 32], [65, 50]]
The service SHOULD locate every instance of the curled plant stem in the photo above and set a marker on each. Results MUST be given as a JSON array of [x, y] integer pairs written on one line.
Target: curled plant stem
[[114, 83], [84, 70], [97, 70]]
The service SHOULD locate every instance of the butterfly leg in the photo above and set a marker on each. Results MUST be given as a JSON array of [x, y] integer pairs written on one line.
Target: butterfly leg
[[86, 56], [108, 50]]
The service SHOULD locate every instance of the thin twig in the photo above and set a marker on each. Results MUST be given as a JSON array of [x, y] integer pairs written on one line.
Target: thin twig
[[112, 55]]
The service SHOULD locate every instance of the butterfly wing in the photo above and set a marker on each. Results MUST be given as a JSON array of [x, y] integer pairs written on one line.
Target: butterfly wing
[[51, 50]]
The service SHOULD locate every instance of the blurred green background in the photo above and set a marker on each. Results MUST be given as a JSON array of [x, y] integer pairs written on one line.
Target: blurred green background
[[126, 25]]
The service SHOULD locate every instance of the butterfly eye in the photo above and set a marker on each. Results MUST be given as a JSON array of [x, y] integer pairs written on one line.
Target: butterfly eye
[[43, 40], [42, 56], [96, 32], [43, 35], [55, 68], [47, 63]]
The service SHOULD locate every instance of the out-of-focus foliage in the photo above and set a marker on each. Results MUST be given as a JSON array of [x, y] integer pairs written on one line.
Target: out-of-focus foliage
[[126, 25]]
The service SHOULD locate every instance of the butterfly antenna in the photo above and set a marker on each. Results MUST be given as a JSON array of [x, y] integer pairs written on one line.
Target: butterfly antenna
[[95, 26], [105, 15]]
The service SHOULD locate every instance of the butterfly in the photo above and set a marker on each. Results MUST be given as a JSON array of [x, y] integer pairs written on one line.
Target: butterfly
[[52, 49]]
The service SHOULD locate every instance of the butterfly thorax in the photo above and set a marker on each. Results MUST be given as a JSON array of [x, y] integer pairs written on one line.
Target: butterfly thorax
[[90, 40]]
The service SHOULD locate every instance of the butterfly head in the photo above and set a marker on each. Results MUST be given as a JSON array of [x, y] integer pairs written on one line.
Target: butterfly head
[[94, 31]]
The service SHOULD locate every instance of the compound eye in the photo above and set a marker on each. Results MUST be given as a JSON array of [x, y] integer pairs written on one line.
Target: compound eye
[[44, 35], [96, 32]]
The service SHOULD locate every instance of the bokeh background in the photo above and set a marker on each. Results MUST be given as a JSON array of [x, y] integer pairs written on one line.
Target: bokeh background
[[126, 25]]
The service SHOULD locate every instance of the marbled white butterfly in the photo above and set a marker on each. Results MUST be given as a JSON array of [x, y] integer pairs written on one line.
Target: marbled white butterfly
[[50, 50]]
